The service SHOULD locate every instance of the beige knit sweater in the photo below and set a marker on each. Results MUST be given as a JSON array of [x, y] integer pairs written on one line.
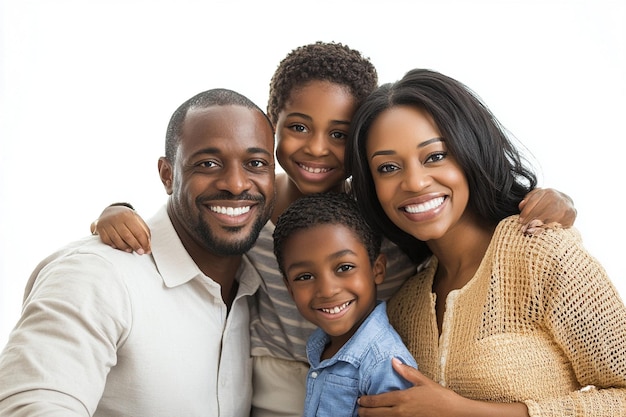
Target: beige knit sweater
[[540, 322]]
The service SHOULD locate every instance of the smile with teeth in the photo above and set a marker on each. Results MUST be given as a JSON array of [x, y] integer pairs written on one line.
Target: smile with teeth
[[336, 309], [314, 170], [420, 208], [230, 211]]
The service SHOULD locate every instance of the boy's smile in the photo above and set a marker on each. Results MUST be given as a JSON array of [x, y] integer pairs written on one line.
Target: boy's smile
[[331, 279]]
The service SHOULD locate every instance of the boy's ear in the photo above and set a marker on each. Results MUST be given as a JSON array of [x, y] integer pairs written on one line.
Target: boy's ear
[[166, 173], [379, 268]]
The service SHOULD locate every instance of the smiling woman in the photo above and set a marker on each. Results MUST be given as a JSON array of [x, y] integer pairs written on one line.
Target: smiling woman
[[490, 301]]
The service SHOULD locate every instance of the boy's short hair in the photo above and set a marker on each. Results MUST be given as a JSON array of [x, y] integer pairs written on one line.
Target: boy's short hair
[[321, 61], [323, 209]]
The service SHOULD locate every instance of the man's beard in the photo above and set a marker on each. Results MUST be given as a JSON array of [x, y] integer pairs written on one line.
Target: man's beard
[[226, 247], [234, 248]]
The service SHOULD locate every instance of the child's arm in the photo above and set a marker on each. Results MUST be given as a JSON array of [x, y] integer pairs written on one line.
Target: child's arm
[[120, 227], [542, 207]]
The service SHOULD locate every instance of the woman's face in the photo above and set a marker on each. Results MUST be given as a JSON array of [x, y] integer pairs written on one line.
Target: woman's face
[[421, 187]]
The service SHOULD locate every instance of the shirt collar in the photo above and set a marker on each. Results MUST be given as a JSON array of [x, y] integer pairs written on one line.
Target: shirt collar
[[176, 265]]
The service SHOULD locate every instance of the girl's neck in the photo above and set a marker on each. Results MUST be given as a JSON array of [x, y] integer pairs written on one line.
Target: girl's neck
[[286, 193]]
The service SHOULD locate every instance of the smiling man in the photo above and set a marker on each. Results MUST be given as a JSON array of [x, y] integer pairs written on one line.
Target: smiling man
[[109, 333]]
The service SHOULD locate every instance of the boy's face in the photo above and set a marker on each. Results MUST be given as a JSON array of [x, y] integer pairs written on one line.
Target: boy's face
[[311, 134], [330, 278]]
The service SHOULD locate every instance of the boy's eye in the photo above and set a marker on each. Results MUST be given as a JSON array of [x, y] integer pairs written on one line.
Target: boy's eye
[[303, 277], [345, 268]]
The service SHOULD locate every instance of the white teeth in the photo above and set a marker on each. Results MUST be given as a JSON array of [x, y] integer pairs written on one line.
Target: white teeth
[[336, 309], [314, 170], [429, 205], [230, 211]]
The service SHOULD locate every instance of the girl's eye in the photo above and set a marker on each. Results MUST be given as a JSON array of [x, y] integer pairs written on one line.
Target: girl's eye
[[436, 157], [298, 128], [303, 277], [345, 268]]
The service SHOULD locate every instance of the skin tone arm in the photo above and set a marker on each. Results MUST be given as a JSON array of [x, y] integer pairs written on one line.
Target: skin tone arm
[[543, 207], [428, 399], [122, 228]]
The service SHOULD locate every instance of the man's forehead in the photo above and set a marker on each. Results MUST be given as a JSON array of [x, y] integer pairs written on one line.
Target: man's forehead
[[223, 125]]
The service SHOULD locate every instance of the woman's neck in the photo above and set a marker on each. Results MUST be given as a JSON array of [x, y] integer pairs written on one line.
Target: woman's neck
[[460, 252]]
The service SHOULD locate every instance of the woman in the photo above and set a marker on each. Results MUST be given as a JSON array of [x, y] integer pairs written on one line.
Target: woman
[[501, 322]]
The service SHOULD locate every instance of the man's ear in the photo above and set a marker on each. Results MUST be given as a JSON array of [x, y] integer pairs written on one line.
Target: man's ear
[[379, 268], [166, 173]]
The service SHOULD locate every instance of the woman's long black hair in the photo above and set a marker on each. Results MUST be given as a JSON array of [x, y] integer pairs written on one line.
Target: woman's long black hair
[[496, 172]]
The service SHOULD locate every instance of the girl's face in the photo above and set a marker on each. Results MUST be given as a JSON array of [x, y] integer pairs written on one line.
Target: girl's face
[[311, 134], [421, 187], [329, 275]]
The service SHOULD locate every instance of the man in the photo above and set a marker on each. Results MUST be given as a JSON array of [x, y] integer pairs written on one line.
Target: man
[[109, 333]]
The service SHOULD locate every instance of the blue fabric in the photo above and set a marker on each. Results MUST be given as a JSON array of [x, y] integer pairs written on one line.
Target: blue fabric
[[361, 367]]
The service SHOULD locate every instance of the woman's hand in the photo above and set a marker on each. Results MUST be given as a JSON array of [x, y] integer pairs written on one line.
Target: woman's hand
[[428, 399]]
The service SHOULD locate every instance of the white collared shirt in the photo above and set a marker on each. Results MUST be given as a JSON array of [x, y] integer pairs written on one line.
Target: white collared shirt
[[108, 333]]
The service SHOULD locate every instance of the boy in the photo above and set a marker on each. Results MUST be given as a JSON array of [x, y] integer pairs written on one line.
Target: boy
[[331, 263]]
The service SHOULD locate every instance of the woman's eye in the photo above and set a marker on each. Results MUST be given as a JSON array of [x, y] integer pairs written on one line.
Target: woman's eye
[[385, 168], [436, 157]]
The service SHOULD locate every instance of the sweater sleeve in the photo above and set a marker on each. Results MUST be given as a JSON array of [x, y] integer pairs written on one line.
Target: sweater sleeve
[[60, 352], [587, 319]]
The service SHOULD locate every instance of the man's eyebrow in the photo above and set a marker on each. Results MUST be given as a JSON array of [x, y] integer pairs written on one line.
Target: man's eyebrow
[[259, 150]]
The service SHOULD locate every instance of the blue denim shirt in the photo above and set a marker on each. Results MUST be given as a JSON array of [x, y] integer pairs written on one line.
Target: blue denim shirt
[[361, 367]]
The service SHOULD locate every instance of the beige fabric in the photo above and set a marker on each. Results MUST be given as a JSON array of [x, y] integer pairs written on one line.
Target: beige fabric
[[279, 387], [538, 322]]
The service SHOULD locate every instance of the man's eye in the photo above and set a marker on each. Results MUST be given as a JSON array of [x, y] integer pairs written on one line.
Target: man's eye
[[258, 163], [207, 164]]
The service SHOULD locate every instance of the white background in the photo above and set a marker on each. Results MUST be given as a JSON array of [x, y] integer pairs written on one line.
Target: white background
[[87, 88]]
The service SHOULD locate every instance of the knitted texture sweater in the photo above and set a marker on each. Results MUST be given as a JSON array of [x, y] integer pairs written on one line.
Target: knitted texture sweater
[[540, 323]]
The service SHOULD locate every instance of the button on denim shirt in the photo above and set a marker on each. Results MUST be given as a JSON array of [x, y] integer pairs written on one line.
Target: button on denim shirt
[[361, 367]]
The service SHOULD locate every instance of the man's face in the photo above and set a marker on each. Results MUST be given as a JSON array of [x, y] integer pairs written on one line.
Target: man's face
[[222, 180]]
